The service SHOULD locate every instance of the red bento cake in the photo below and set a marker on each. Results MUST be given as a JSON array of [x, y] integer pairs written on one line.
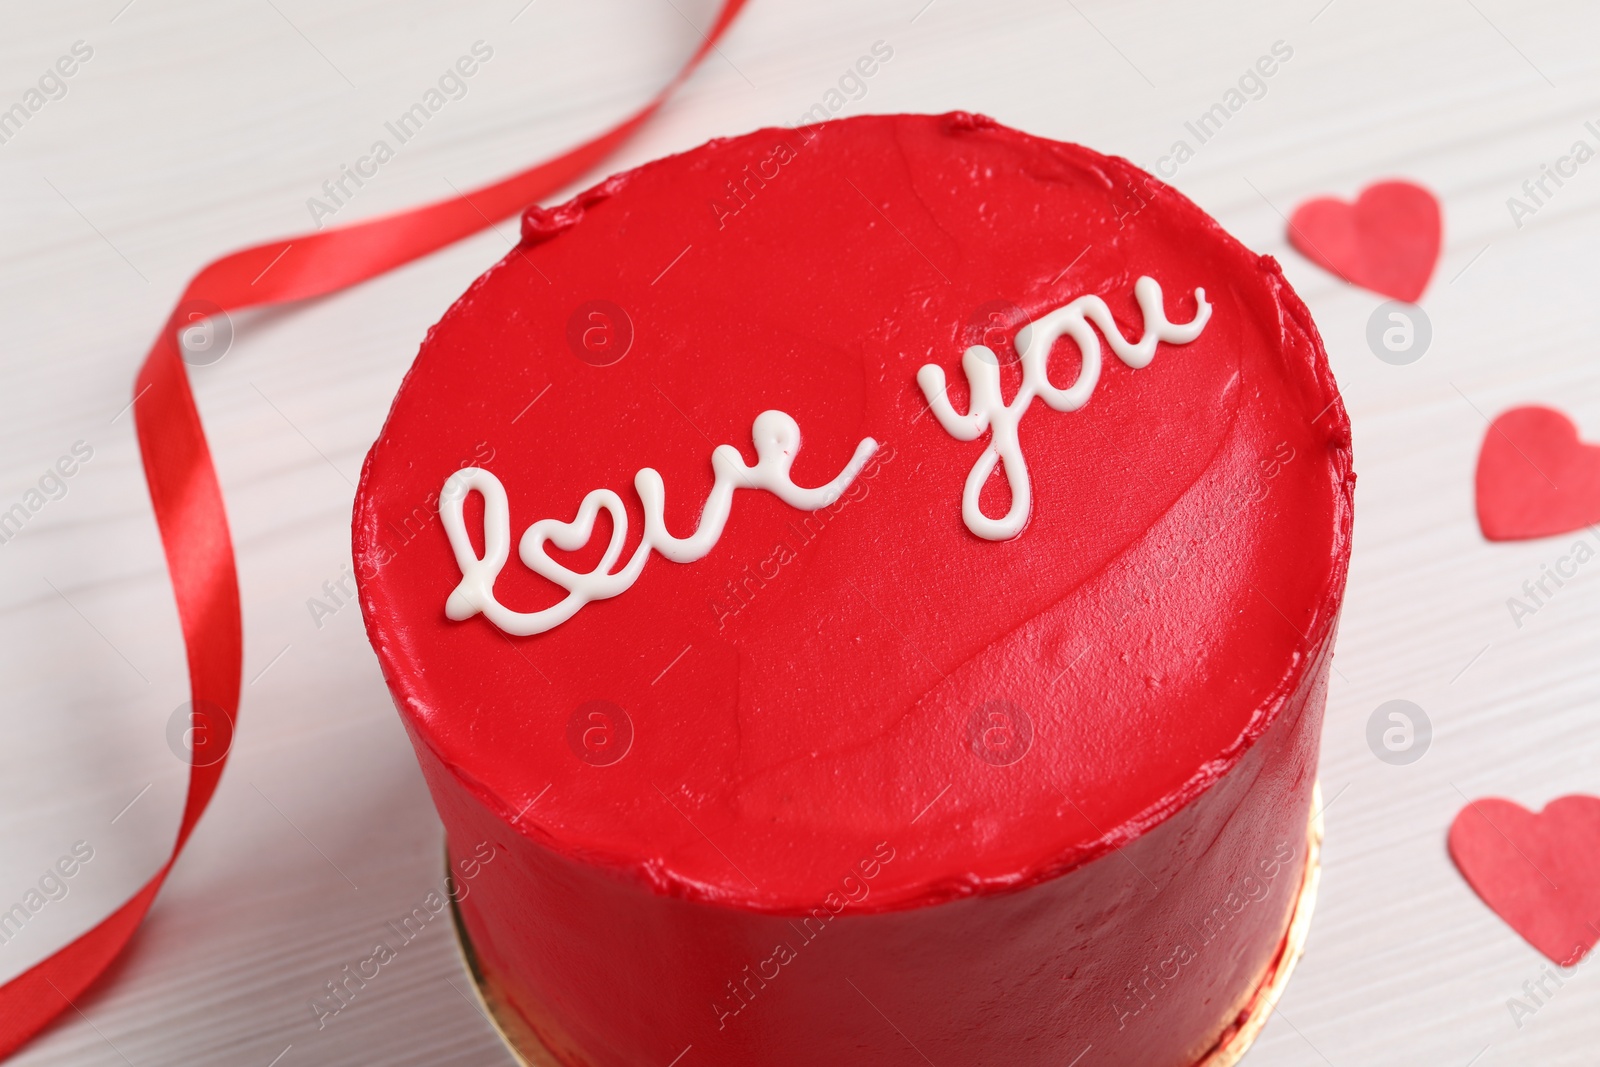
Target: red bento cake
[[929, 540]]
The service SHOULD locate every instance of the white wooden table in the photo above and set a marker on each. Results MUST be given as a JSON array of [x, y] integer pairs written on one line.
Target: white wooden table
[[195, 128]]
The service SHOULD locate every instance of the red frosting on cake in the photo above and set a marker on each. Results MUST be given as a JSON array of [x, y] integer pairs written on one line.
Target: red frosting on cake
[[936, 739]]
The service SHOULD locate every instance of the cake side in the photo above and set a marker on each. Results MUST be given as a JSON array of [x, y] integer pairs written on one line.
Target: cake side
[[1144, 956]]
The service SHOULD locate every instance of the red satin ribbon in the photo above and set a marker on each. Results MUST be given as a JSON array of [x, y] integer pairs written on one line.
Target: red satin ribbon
[[188, 500]]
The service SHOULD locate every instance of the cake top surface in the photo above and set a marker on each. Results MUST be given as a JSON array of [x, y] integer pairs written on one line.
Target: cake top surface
[[904, 481]]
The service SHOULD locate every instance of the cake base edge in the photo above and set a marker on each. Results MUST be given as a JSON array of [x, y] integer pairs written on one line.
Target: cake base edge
[[1236, 1041]]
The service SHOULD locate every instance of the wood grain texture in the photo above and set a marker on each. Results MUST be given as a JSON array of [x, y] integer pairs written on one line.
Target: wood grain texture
[[197, 128]]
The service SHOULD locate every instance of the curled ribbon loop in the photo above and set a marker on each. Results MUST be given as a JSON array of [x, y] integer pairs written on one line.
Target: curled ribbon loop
[[187, 499]]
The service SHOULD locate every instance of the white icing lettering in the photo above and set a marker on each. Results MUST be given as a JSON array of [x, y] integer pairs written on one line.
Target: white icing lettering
[[987, 410], [777, 440]]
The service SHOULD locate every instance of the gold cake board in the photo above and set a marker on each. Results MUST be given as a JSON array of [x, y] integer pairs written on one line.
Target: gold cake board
[[528, 1051]]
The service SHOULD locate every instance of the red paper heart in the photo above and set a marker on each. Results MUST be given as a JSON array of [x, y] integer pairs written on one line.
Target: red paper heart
[[1535, 478], [1387, 241], [1539, 872]]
